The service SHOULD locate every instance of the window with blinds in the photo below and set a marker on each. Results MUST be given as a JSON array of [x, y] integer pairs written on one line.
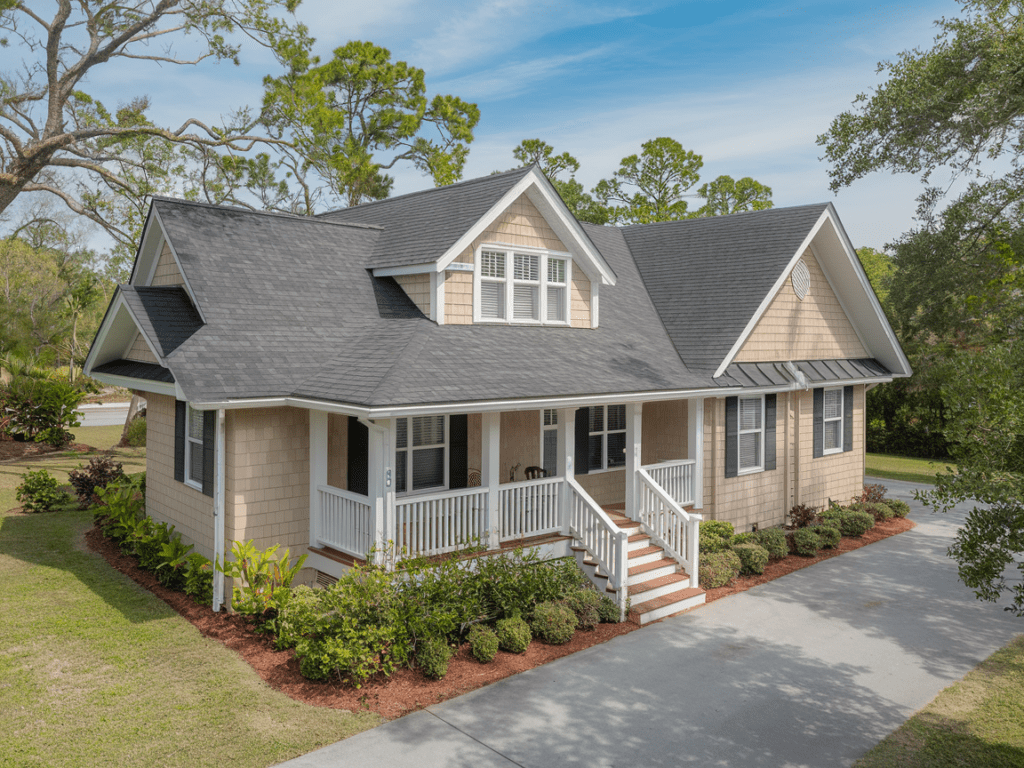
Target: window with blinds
[[421, 448], [549, 441], [522, 287], [194, 447], [751, 434], [607, 446], [833, 420], [492, 285]]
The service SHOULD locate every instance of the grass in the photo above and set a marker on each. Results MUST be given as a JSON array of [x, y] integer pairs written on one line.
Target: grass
[[977, 721], [905, 468]]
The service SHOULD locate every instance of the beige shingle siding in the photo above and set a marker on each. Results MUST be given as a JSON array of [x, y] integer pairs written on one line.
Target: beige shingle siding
[[167, 500], [580, 299], [458, 298], [140, 351], [520, 443], [337, 451], [417, 287], [663, 432], [813, 329], [167, 272], [838, 476]]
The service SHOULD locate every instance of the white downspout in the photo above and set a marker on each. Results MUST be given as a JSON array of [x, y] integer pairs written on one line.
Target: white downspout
[[219, 522]]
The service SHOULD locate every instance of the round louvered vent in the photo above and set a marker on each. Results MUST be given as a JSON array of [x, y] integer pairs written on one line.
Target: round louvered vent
[[801, 280]]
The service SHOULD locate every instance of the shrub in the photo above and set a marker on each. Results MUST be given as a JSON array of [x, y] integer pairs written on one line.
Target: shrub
[[851, 522], [148, 542], [40, 409], [172, 569], [101, 471], [715, 535], [873, 493], [39, 492], [353, 653], [136, 435], [899, 507], [717, 569], [774, 540], [121, 513], [828, 534], [483, 643], [261, 573], [554, 623], [801, 516], [514, 635], [806, 542], [584, 603], [753, 557], [608, 610], [199, 578], [512, 583], [747, 537], [433, 655]]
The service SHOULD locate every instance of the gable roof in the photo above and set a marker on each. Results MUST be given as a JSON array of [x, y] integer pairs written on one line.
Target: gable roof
[[165, 314]]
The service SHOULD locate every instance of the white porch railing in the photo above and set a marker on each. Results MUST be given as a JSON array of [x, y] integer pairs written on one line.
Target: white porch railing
[[530, 508], [676, 478], [436, 523], [345, 521], [668, 525], [603, 539]]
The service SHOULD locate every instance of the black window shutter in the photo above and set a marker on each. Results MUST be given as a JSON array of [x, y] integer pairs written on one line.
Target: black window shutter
[[819, 423], [769, 431], [209, 442], [358, 457], [582, 460], [458, 450], [732, 458], [847, 419], [179, 441]]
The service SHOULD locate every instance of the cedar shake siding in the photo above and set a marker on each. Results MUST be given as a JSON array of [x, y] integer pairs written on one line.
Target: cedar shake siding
[[141, 352], [167, 272], [417, 287]]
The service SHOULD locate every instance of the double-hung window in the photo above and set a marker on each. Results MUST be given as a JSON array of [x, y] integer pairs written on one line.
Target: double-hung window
[[832, 414], [421, 454], [549, 441], [522, 286], [607, 436], [194, 448], [751, 434]]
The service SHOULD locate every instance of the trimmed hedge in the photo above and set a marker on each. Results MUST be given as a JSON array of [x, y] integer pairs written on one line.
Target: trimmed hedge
[[554, 623], [513, 635], [829, 535], [806, 542], [773, 540], [715, 536], [753, 557], [717, 569]]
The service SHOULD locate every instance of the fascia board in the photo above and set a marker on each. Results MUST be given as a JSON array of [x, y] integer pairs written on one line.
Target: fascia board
[[143, 241], [412, 269], [143, 385], [101, 333], [177, 261]]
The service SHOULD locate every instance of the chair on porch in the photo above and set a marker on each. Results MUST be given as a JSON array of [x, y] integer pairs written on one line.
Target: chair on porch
[[535, 473]]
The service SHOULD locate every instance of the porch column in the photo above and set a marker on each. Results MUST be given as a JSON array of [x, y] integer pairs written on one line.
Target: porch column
[[380, 485], [317, 471], [490, 475], [566, 455], [634, 428], [389, 428], [695, 447]]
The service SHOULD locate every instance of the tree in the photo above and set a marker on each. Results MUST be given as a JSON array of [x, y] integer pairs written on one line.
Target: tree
[[650, 186], [726, 195], [341, 116], [582, 205], [54, 133]]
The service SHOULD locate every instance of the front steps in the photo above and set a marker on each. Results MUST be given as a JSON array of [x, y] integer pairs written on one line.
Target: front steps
[[658, 586]]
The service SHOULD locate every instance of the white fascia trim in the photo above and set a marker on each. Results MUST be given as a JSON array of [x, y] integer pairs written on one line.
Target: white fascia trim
[[798, 386], [177, 261], [143, 385], [101, 334], [770, 296], [142, 241], [839, 296], [412, 269]]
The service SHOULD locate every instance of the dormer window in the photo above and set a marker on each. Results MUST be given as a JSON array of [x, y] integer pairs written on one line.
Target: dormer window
[[521, 285]]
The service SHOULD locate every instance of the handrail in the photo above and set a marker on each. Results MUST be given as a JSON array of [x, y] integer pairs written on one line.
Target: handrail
[[669, 525], [345, 521], [670, 463], [676, 477], [603, 539], [530, 508]]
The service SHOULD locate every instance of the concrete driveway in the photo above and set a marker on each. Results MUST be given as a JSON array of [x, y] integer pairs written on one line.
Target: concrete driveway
[[103, 414], [810, 670]]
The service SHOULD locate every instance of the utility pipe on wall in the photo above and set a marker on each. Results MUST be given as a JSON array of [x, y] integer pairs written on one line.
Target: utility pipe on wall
[[219, 522]]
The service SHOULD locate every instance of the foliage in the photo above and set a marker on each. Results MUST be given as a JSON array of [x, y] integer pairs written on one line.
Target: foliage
[[172, 567], [726, 195], [483, 643], [40, 492], [753, 557], [714, 536], [773, 540], [122, 508], [136, 436], [746, 537], [899, 507], [514, 634], [101, 471], [554, 623], [608, 610], [851, 522], [881, 512], [261, 573], [353, 653], [584, 602], [433, 655], [41, 409], [806, 542], [650, 186], [582, 205], [873, 493], [801, 515], [829, 535], [199, 578], [514, 582], [718, 569]]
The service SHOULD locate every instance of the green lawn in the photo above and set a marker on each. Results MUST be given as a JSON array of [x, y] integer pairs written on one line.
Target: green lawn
[[905, 468], [976, 722], [96, 671]]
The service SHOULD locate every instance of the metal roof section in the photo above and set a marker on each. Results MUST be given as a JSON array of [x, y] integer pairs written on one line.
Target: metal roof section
[[807, 372]]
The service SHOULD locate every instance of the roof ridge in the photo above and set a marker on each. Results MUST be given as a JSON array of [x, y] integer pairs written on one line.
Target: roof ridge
[[723, 216], [274, 214]]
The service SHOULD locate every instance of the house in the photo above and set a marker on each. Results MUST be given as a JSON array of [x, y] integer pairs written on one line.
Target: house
[[385, 375]]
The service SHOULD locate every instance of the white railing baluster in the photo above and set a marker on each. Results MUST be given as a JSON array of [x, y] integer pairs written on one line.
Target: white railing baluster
[[345, 522], [675, 478], [666, 522]]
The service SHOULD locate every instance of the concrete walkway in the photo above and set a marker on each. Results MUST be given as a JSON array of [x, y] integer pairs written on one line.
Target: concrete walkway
[[810, 670]]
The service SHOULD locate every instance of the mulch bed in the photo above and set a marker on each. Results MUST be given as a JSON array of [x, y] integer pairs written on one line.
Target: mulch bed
[[408, 690], [13, 450]]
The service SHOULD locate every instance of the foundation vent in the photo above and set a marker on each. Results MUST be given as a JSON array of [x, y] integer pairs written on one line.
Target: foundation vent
[[325, 580]]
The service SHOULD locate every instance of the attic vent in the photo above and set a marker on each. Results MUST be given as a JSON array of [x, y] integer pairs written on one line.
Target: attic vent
[[801, 278]]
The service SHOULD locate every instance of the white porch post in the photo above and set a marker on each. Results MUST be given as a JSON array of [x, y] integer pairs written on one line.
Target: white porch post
[[566, 456], [634, 428], [317, 471], [490, 449], [378, 476], [695, 447]]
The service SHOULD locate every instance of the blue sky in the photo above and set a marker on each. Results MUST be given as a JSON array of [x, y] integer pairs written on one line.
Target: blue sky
[[747, 85]]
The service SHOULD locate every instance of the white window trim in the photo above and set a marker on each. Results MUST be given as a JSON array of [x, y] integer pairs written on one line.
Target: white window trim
[[409, 449], [509, 281], [553, 427], [740, 431], [604, 442], [191, 443], [841, 419]]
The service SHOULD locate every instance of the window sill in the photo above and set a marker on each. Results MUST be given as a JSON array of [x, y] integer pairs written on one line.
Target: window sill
[[750, 471], [194, 485]]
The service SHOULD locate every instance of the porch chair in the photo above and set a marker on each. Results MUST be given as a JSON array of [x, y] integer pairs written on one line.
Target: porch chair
[[535, 473]]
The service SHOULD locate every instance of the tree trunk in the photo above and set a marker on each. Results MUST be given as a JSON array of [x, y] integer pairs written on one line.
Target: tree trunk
[[133, 410]]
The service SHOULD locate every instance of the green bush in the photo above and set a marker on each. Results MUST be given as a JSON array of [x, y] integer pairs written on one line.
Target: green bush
[[513, 635], [40, 492], [851, 522], [828, 534], [585, 603], [880, 511], [40, 409], [753, 557], [136, 436], [101, 471], [608, 610], [261, 573], [773, 540], [514, 582], [172, 569], [717, 569], [199, 578], [899, 507], [554, 623], [148, 542], [801, 515], [806, 542], [121, 513], [353, 654], [715, 535], [747, 537], [483, 643], [433, 655]]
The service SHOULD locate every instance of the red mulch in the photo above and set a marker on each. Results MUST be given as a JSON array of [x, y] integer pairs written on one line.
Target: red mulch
[[13, 450], [408, 690]]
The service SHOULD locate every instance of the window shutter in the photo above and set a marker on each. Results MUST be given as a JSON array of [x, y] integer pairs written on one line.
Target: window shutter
[[458, 451], [358, 457], [847, 419], [818, 423], [209, 443], [731, 433], [179, 441], [769, 431], [582, 449]]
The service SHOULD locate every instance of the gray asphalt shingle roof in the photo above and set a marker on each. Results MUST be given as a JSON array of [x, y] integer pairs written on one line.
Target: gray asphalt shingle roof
[[165, 314]]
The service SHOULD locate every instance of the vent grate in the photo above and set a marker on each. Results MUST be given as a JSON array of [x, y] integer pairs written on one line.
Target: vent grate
[[801, 278]]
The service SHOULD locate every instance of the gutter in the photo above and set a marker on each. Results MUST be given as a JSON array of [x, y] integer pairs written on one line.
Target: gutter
[[219, 522]]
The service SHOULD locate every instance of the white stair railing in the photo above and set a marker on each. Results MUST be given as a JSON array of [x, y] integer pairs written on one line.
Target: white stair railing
[[668, 525], [676, 479], [530, 508], [345, 521], [435, 523], [604, 541]]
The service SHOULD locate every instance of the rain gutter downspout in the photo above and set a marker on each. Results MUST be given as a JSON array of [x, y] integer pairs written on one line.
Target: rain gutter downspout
[[219, 522]]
